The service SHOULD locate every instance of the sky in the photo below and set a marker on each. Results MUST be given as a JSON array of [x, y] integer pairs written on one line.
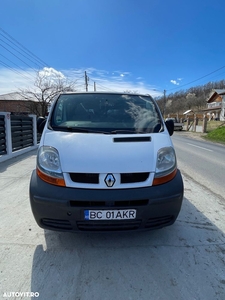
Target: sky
[[146, 46]]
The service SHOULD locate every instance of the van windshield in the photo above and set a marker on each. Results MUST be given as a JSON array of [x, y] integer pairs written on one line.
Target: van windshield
[[106, 113]]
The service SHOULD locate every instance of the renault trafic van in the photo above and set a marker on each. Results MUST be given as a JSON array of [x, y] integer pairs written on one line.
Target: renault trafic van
[[105, 162]]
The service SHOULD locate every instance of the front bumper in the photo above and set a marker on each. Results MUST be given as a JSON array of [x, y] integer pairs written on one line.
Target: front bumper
[[62, 208]]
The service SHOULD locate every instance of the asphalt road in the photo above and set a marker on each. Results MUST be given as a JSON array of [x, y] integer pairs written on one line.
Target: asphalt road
[[201, 160], [185, 261]]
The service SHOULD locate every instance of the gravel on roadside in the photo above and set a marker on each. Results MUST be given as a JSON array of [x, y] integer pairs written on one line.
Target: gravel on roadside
[[195, 135]]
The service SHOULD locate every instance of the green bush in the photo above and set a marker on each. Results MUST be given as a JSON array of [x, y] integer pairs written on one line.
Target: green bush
[[217, 135]]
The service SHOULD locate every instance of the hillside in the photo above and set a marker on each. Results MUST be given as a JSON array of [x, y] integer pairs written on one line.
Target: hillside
[[194, 98]]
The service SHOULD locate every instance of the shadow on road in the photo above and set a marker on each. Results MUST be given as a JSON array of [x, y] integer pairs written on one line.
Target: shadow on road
[[14, 160], [183, 261]]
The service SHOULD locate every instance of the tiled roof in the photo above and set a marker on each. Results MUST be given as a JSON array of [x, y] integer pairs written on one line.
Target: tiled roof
[[11, 96], [214, 92], [219, 91]]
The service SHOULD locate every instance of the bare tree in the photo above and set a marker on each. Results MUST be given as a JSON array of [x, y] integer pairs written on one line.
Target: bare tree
[[47, 85], [190, 100], [178, 105], [131, 91], [160, 101], [194, 98]]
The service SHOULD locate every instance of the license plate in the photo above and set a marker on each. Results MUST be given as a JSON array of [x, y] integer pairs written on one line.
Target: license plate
[[121, 214]]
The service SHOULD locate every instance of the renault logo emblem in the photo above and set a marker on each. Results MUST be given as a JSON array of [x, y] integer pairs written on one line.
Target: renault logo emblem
[[110, 180]]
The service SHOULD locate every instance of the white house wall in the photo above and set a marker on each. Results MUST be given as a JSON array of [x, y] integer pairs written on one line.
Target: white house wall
[[222, 113]]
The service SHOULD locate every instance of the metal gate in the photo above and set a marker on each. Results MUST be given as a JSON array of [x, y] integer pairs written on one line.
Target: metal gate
[[2, 136], [22, 132]]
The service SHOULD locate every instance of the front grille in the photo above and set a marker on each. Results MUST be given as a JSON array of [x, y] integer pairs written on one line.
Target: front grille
[[57, 224], [85, 177], [159, 222], [126, 203], [108, 226], [93, 178], [133, 177]]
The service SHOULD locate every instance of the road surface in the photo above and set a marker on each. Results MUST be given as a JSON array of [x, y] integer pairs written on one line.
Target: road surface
[[203, 161], [185, 261]]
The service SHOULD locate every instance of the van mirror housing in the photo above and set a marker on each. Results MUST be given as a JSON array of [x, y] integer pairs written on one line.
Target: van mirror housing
[[170, 126], [41, 124]]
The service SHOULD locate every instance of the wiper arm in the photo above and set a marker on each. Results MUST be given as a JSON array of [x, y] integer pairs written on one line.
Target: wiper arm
[[77, 129], [123, 131], [69, 128]]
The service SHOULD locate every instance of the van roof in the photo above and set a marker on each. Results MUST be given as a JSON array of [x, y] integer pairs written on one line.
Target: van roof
[[102, 92]]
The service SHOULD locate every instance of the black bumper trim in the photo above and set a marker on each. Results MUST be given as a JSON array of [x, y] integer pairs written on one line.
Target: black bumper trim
[[52, 209]]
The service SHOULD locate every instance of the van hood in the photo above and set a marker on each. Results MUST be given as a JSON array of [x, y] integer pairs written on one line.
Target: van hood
[[101, 153]]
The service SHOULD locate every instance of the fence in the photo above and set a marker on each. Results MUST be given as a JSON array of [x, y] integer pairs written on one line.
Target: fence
[[18, 134]]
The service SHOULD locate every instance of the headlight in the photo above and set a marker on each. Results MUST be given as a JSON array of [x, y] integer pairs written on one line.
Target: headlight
[[48, 166], [166, 165]]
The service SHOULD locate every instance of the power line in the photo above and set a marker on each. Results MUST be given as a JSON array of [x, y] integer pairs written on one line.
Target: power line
[[28, 56], [98, 84], [15, 49], [80, 86], [22, 47], [14, 70], [196, 79], [17, 57], [16, 66], [19, 53]]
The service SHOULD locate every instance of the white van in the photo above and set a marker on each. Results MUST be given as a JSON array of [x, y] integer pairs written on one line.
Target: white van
[[105, 162]]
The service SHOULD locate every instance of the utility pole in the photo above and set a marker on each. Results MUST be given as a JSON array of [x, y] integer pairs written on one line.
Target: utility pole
[[86, 80], [164, 109]]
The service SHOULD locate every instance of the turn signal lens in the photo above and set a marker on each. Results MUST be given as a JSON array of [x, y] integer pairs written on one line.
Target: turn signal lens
[[50, 179], [48, 166], [166, 166], [164, 179]]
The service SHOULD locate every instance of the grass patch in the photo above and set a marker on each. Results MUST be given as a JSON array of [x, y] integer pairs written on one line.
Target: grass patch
[[217, 135], [212, 125]]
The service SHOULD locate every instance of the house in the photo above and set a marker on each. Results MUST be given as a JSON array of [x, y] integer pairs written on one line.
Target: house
[[216, 105], [14, 103]]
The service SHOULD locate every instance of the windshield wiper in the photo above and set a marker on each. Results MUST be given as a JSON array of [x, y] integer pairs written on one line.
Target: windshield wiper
[[123, 131], [77, 129], [86, 130], [69, 128]]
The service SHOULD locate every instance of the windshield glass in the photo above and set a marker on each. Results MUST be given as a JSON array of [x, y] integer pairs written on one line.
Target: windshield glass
[[107, 113]]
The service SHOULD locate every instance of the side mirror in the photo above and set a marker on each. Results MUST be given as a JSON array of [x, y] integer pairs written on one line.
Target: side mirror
[[41, 124], [170, 126]]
